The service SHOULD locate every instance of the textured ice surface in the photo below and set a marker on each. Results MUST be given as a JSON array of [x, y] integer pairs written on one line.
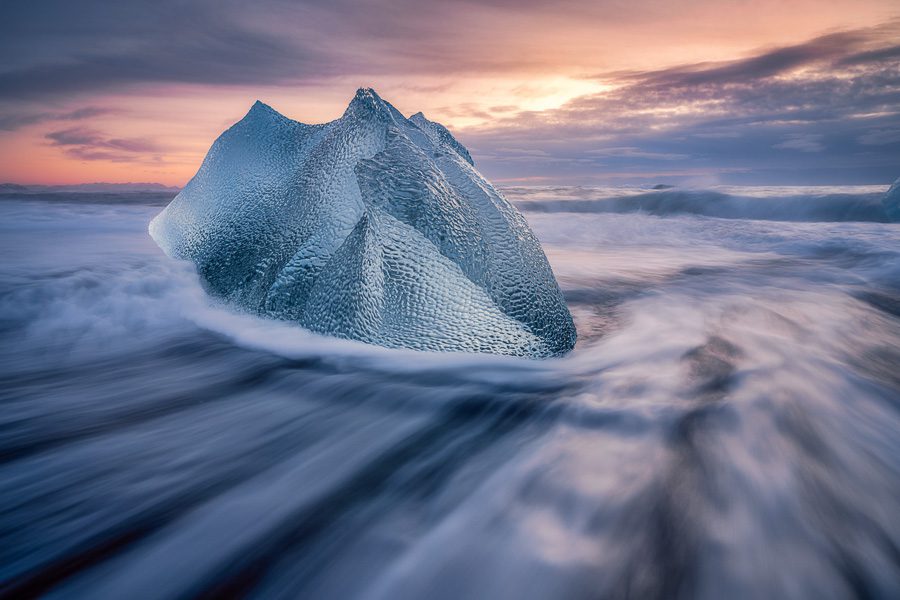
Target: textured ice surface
[[372, 227]]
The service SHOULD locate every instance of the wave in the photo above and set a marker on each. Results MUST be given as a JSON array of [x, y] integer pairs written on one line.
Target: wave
[[108, 197], [727, 422], [814, 206]]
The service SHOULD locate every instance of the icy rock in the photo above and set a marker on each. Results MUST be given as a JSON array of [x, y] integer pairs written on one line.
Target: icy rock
[[372, 227]]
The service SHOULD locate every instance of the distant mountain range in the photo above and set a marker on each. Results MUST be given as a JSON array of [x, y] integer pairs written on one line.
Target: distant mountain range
[[96, 188]]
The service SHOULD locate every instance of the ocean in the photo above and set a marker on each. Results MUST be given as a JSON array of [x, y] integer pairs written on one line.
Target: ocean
[[726, 427]]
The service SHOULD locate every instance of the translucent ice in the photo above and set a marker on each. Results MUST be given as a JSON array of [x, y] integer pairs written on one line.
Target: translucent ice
[[372, 227]]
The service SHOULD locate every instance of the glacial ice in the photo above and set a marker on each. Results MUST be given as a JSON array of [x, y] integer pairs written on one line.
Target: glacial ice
[[372, 227]]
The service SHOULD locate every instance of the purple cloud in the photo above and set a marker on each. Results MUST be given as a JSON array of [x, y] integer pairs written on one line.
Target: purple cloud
[[89, 144], [834, 102]]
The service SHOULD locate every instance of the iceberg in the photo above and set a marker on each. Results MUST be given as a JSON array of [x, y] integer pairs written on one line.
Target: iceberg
[[372, 227]]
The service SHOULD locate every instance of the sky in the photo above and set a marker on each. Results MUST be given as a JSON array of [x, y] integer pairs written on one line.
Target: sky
[[544, 93]]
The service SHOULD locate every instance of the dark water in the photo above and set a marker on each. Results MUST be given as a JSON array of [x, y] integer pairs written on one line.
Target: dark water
[[727, 427]]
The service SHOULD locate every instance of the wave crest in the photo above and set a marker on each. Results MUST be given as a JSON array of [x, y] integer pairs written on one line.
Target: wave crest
[[817, 205]]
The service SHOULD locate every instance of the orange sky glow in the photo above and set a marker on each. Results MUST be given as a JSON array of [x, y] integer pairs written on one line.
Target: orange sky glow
[[487, 68]]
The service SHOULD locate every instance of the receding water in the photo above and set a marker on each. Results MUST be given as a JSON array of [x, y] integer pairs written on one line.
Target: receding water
[[727, 426]]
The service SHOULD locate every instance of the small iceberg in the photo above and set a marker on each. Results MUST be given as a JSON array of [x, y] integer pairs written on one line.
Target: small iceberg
[[372, 227]]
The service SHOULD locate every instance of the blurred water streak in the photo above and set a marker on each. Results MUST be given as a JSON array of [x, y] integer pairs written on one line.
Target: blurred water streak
[[726, 427]]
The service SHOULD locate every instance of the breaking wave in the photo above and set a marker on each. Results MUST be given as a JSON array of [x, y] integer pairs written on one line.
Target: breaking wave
[[823, 204]]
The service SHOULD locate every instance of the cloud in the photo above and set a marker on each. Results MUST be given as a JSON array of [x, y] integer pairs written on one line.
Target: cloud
[[633, 152], [834, 101], [89, 144], [56, 47], [804, 142], [768, 64], [880, 137], [836, 91], [63, 47], [14, 121]]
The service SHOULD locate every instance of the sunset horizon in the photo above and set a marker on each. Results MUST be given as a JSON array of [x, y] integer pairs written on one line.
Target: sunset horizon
[[748, 94]]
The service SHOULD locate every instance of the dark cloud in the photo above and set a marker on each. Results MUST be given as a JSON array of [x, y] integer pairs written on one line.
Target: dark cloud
[[11, 122], [15, 120], [58, 47], [827, 110], [891, 53], [768, 64], [803, 142], [55, 47], [89, 144]]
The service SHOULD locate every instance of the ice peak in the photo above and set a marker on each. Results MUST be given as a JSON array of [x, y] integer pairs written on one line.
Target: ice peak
[[368, 94], [261, 110], [368, 103], [367, 98]]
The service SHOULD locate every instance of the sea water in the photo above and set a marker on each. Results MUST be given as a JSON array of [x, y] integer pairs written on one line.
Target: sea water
[[726, 427]]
